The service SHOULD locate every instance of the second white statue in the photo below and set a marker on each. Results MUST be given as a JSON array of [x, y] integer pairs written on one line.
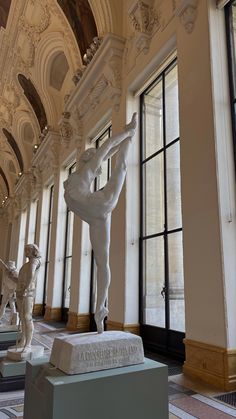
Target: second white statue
[[25, 295]]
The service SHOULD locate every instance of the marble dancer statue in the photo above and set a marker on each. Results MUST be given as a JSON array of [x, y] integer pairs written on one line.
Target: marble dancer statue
[[25, 294], [8, 290], [95, 208]]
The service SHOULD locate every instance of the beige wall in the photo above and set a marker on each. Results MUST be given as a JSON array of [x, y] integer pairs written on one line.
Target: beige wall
[[109, 93]]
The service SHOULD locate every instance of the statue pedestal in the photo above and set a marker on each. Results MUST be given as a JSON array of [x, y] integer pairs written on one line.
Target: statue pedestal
[[133, 392], [88, 352], [12, 374], [8, 336], [21, 354]]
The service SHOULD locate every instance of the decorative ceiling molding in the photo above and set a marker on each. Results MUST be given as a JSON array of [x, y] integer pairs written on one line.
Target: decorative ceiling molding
[[102, 12], [68, 34], [66, 129], [145, 20], [101, 80], [187, 12]]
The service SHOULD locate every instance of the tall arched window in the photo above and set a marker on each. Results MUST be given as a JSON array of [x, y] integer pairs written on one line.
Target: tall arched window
[[162, 299], [67, 256]]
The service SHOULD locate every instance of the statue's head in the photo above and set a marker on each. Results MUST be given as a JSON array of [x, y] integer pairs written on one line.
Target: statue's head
[[32, 250], [11, 264], [87, 155]]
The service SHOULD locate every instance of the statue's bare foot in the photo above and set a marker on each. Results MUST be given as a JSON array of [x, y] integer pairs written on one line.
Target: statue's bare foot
[[20, 344], [26, 348], [132, 125], [99, 319]]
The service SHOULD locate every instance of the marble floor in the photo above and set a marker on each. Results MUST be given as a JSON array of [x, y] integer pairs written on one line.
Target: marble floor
[[187, 399]]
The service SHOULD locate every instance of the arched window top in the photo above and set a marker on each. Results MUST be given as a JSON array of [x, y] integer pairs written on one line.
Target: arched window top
[[12, 142], [34, 99], [2, 174], [80, 17], [59, 69]]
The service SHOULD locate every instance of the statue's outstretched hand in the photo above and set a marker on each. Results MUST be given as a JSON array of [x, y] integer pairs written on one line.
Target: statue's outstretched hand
[[133, 123]]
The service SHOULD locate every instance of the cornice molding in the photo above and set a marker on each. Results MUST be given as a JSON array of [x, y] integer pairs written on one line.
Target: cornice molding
[[101, 79]]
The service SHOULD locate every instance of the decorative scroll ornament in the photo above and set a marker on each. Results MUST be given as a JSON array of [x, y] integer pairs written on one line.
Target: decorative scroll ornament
[[33, 31], [146, 21], [94, 96], [66, 129], [77, 76], [187, 12]]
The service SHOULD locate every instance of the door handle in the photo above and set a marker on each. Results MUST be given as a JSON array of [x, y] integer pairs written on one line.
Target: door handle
[[163, 292]]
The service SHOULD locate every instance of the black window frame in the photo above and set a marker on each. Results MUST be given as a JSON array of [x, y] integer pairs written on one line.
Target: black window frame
[[47, 259], [153, 335], [231, 68], [66, 256]]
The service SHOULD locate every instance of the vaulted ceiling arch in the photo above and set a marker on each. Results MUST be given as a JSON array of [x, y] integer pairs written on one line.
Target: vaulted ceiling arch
[[14, 146], [34, 99], [52, 46], [80, 17]]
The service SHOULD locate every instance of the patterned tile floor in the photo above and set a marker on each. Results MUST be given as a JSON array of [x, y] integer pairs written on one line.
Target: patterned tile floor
[[187, 399]]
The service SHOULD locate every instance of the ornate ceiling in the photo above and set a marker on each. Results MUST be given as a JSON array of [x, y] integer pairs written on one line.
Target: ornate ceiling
[[42, 43]]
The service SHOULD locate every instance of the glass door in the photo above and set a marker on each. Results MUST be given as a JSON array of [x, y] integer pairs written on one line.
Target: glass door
[[162, 281]]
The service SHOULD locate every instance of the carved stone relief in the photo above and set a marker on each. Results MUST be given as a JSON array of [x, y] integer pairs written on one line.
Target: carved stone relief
[[187, 12], [145, 20], [30, 31], [66, 129]]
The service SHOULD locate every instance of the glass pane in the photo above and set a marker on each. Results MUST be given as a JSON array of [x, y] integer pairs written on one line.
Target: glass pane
[[154, 303], [69, 233], [102, 179], [154, 195], [67, 282], [173, 187], [51, 203], [153, 120], [171, 105], [176, 282]]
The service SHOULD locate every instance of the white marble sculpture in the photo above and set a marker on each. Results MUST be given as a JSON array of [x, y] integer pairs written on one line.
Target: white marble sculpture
[[96, 207], [25, 294], [8, 291]]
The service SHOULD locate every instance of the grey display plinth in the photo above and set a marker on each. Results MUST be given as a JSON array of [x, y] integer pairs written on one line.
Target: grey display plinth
[[12, 374], [134, 392], [8, 337]]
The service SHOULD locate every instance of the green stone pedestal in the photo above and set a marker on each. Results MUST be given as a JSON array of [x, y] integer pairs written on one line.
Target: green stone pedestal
[[12, 374], [134, 392], [8, 337]]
